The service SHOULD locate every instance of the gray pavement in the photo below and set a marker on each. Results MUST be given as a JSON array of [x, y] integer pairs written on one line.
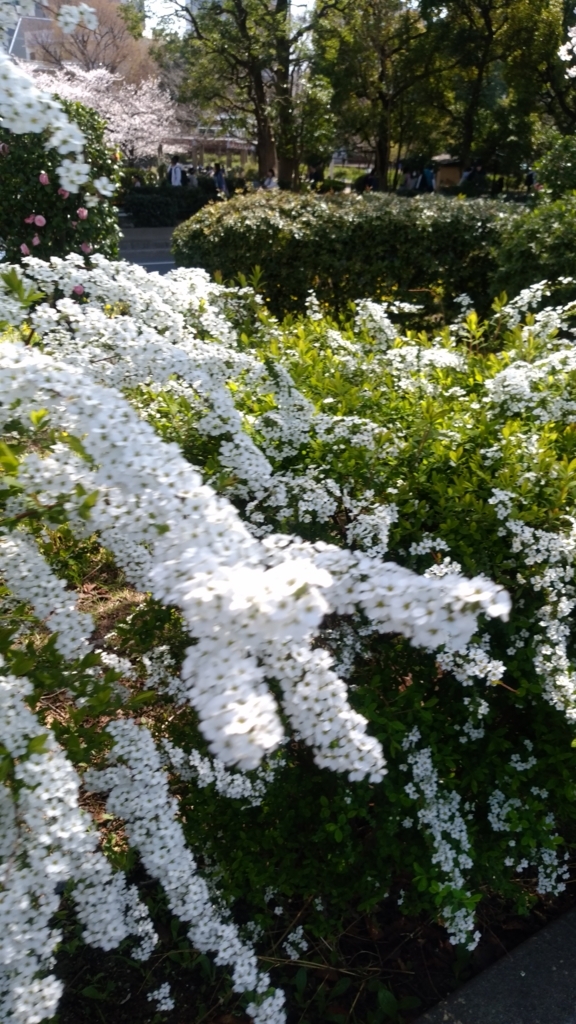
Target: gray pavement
[[149, 247], [534, 984]]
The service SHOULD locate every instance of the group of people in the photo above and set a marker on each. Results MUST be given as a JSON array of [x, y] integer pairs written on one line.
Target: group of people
[[474, 175], [179, 176], [421, 180]]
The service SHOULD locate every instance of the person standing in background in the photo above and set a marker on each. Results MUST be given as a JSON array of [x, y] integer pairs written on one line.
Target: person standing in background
[[220, 180], [174, 172]]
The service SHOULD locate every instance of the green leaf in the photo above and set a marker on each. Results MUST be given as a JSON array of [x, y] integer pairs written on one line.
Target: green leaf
[[387, 1001], [91, 992], [37, 745], [8, 460]]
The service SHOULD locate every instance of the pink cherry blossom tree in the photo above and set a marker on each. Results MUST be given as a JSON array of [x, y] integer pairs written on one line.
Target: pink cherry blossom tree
[[138, 117]]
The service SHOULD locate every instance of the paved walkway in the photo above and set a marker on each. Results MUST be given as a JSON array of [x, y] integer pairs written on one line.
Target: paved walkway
[[149, 247], [534, 984]]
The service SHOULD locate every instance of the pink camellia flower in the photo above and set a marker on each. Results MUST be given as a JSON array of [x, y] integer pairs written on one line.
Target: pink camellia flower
[[82, 212], [78, 289], [30, 219], [24, 249], [36, 240], [43, 178], [62, 192], [39, 221], [86, 247]]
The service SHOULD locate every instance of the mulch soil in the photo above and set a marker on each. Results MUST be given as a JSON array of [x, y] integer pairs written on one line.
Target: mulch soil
[[409, 956]]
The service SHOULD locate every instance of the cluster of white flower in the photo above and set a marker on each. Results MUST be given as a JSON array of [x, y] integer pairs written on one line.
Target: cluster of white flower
[[70, 17], [373, 317], [144, 487], [552, 870], [24, 108], [162, 997], [10, 12], [548, 559], [440, 816], [138, 793], [438, 610], [29, 577], [47, 840], [370, 529], [428, 543], [567, 52], [447, 567], [520, 387], [206, 771], [296, 944]]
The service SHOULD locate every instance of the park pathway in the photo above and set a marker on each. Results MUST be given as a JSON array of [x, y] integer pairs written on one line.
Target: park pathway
[[149, 247], [534, 984]]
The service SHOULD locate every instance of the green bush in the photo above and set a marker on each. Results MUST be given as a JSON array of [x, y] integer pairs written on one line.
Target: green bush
[[22, 194], [365, 427], [557, 168], [538, 246], [127, 176], [426, 249], [163, 206]]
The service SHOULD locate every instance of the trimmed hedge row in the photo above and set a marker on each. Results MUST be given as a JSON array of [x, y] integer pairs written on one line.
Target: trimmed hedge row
[[154, 207], [427, 249], [163, 206]]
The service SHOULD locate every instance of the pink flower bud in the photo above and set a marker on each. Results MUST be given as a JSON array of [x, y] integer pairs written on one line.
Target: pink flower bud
[[78, 289], [62, 192], [82, 212], [24, 249], [74, 223], [86, 247], [35, 240], [39, 221], [43, 178], [30, 219]]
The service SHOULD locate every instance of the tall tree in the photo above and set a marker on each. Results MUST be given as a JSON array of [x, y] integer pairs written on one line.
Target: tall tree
[[138, 116], [493, 48], [555, 75], [244, 61], [381, 58]]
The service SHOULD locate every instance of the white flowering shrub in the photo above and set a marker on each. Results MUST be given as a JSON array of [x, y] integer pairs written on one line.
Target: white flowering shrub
[[38, 215], [293, 604]]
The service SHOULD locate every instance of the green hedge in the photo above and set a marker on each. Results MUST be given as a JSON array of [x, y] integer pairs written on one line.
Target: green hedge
[[426, 249], [539, 246], [163, 206]]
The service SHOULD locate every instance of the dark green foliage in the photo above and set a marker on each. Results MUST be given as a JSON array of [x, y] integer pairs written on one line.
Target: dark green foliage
[[428, 250], [164, 206], [557, 168], [541, 245], [22, 194]]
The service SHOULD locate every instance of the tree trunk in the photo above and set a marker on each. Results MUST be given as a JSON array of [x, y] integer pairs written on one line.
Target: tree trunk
[[265, 141], [383, 157], [286, 140], [265, 149], [286, 171], [472, 107]]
